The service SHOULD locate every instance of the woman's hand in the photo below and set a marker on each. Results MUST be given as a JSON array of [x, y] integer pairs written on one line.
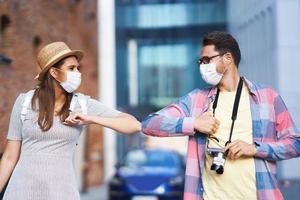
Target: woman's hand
[[75, 118], [123, 122]]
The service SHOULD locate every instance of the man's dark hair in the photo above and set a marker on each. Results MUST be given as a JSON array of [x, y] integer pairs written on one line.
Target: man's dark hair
[[223, 43]]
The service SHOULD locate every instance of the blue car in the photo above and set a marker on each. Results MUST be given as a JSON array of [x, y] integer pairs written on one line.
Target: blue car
[[149, 175]]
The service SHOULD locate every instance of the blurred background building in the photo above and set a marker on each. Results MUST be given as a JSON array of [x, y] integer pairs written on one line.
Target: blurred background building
[[158, 46], [268, 32], [158, 42], [140, 55]]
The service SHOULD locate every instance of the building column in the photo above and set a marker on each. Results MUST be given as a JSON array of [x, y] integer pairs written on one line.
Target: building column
[[107, 77]]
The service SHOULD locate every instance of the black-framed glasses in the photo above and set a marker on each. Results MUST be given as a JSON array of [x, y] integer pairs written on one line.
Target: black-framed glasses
[[206, 59]]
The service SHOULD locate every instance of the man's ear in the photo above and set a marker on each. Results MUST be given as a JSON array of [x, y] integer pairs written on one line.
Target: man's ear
[[228, 58]]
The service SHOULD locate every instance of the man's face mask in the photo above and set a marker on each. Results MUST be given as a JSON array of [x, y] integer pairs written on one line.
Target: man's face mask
[[209, 73], [208, 70]]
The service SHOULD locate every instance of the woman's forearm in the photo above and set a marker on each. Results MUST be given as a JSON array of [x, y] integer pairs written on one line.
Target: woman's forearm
[[6, 168], [9, 161], [123, 123]]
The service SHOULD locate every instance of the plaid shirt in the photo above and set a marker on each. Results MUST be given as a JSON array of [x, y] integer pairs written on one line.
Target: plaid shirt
[[273, 132]]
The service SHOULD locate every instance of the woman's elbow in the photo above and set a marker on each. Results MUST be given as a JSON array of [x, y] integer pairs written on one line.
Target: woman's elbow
[[132, 124], [135, 126]]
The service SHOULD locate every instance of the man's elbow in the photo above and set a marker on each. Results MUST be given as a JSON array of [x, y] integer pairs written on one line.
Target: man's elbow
[[146, 130]]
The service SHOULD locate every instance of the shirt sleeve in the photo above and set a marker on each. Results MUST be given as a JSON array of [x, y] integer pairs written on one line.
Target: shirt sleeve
[[287, 144], [15, 123], [173, 120], [96, 108]]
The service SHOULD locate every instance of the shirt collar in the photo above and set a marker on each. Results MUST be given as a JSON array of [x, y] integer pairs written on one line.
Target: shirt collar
[[251, 87]]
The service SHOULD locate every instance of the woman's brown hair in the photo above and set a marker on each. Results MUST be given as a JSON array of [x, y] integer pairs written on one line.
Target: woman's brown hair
[[43, 101]]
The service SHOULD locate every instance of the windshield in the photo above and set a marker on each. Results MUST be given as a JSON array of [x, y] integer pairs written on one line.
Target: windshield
[[140, 158]]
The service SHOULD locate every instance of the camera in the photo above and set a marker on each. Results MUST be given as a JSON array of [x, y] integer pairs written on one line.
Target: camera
[[219, 156]]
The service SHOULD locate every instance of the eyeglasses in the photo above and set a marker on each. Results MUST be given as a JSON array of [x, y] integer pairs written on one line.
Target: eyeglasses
[[206, 59]]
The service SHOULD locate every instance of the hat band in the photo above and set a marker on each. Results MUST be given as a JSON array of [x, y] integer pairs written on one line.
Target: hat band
[[55, 57]]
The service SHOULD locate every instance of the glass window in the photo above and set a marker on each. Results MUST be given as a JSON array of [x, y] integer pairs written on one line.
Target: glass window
[[140, 158], [172, 15], [162, 74], [158, 44]]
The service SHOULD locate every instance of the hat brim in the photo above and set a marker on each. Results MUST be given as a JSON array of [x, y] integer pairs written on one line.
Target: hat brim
[[77, 53]]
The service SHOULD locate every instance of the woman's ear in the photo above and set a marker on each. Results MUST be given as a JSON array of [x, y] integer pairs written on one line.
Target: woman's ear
[[54, 73]]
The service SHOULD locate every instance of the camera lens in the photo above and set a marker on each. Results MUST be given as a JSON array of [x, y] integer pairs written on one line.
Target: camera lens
[[218, 163], [220, 170], [214, 167]]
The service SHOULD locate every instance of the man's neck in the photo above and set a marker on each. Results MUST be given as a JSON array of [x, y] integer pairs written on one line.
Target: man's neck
[[229, 81]]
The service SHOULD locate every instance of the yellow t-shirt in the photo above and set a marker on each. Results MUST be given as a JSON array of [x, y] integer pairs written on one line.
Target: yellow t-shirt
[[238, 180]]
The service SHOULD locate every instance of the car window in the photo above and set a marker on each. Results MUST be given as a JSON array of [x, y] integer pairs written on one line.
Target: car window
[[140, 158]]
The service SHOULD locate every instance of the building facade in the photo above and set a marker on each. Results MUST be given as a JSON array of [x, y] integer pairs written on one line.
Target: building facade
[[26, 26]]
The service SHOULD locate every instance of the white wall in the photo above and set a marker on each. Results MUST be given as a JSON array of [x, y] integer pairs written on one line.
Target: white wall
[[252, 23], [268, 32]]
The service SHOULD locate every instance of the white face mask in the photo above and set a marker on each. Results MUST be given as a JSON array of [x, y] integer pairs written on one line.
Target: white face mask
[[72, 82], [209, 73]]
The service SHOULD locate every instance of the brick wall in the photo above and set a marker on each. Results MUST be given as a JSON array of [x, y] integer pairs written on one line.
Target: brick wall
[[29, 25]]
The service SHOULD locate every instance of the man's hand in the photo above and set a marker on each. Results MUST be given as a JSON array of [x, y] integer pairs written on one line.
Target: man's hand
[[77, 119], [239, 148], [206, 123]]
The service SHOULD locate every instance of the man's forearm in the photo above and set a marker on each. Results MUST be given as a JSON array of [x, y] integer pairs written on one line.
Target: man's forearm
[[284, 149], [161, 126]]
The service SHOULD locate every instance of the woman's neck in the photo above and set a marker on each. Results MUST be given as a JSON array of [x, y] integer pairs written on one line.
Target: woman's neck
[[60, 98]]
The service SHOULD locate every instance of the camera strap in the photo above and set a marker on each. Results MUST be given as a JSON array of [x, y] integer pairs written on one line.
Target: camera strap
[[235, 106]]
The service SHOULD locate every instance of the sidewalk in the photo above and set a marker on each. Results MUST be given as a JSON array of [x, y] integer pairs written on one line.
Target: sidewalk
[[291, 191], [97, 193]]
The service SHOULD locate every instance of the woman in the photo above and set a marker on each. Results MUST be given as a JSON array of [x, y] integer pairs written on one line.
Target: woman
[[43, 133]]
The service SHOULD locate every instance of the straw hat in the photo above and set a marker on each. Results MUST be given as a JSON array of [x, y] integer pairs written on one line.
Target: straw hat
[[53, 53]]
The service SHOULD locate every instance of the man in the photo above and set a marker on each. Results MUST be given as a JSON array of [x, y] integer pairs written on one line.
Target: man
[[259, 134]]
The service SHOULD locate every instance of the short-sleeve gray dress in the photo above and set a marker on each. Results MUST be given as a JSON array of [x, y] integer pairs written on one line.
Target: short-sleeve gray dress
[[45, 168]]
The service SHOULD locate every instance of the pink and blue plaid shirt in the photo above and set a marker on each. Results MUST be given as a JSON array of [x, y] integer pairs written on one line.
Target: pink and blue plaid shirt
[[273, 131]]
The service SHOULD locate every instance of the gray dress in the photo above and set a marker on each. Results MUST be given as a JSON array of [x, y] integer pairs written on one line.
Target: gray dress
[[45, 169]]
